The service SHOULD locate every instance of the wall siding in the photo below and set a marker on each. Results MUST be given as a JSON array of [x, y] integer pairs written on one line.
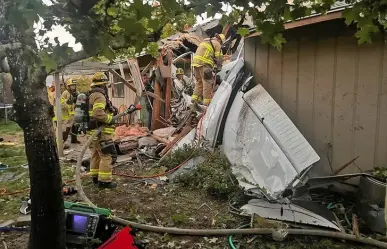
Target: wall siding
[[127, 100], [334, 90]]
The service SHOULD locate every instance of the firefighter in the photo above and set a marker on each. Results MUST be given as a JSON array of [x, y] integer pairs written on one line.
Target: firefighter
[[180, 74], [207, 60], [148, 99], [65, 114], [101, 112], [70, 97]]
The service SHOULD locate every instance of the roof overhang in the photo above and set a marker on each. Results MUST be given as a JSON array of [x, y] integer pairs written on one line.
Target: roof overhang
[[338, 14]]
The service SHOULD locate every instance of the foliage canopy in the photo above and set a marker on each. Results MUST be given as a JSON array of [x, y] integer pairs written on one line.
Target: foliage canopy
[[111, 28]]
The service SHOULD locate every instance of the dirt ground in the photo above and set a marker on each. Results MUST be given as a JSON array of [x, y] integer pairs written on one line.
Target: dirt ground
[[169, 205]]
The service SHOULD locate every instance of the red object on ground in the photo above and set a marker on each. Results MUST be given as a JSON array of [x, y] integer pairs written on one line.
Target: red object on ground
[[124, 239]]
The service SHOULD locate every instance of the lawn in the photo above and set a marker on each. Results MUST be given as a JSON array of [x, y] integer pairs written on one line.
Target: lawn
[[12, 154], [9, 128]]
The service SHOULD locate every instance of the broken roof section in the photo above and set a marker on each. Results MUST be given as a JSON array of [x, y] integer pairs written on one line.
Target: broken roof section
[[183, 42]]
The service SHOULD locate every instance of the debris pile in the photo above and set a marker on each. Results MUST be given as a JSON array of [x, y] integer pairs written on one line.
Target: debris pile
[[124, 131]]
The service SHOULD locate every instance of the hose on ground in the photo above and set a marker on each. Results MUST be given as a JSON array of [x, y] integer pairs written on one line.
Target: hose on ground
[[14, 229], [230, 241], [213, 232]]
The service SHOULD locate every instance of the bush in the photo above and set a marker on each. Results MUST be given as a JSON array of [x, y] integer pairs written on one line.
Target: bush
[[213, 175], [180, 155]]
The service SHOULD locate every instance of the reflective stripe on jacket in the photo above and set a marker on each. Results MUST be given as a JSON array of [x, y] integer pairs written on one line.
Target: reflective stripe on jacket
[[99, 112], [64, 108], [206, 55], [70, 107]]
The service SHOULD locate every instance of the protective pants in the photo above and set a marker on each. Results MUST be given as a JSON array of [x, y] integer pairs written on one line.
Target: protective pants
[[101, 164], [149, 110], [204, 84], [74, 132], [66, 128]]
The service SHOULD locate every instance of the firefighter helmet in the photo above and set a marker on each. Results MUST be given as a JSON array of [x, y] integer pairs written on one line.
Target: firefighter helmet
[[71, 82], [179, 71], [98, 79], [221, 37]]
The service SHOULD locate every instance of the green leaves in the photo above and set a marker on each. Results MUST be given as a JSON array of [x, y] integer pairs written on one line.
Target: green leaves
[[112, 11], [142, 10], [349, 16], [48, 62], [152, 49], [243, 31], [278, 40], [132, 22], [210, 11], [153, 24], [365, 33]]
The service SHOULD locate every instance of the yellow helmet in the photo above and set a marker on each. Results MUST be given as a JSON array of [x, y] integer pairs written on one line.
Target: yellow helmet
[[179, 71], [71, 82], [98, 79], [221, 37]]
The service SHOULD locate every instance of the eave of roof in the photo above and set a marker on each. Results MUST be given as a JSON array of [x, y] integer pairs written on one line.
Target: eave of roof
[[336, 12]]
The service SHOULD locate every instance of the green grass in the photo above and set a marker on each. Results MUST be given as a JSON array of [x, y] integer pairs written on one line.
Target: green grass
[[10, 128], [10, 204], [12, 155]]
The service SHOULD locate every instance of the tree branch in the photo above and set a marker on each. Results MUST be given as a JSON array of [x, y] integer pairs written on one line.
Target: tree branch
[[242, 20], [10, 46], [81, 55], [84, 5], [77, 56]]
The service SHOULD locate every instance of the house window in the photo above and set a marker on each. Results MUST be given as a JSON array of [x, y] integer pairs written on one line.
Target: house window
[[118, 90]]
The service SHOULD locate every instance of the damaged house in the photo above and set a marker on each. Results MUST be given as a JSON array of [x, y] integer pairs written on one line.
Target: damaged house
[[312, 116], [293, 124]]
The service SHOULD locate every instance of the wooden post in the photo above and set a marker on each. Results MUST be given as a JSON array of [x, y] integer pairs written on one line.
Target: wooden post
[[168, 90], [156, 108], [59, 134]]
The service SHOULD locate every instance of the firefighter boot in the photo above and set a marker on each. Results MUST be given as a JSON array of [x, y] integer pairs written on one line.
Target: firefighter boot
[[74, 130], [107, 184], [95, 179]]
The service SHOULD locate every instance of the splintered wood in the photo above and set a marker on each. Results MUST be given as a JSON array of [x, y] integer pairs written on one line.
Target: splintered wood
[[182, 134]]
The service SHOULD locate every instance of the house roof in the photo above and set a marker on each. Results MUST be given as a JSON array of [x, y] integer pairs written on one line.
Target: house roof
[[335, 12]]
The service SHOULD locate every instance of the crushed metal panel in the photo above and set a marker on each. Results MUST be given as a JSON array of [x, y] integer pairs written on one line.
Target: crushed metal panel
[[281, 128], [209, 126], [257, 161], [291, 213], [212, 119], [230, 71]]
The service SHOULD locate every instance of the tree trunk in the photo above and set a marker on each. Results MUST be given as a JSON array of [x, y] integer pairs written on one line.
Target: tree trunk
[[32, 115]]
